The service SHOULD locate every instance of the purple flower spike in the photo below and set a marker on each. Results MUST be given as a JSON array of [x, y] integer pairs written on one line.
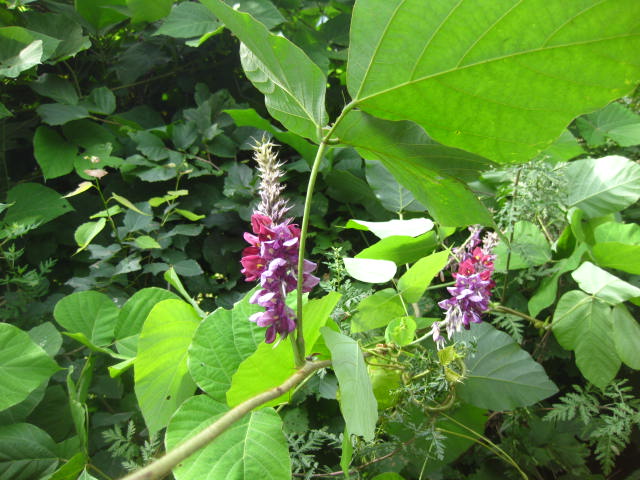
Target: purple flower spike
[[272, 257], [471, 293]]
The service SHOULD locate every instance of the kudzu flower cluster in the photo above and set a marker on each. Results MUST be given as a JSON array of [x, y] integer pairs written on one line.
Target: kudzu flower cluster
[[472, 289], [272, 257]]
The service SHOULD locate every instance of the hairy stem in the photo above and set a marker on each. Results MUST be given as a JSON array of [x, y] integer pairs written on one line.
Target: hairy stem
[[162, 466], [299, 348]]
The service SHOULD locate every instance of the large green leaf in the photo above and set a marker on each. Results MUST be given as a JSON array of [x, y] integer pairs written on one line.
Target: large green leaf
[[501, 376], [617, 246], [162, 380], [626, 336], [377, 310], [134, 312], [27, 453], [501, 79], [604, 185], [221, 343], [268, 367], [101, 13], [294, 86], [393, 142], [583, 323], [403, 249], [24, 366], [91, 313], [149, 10], [35, 203], [412, 228], [357, 402], [393, 196], [188, 20], [614, 121], [603, 285], [251, 448], [370, 271]]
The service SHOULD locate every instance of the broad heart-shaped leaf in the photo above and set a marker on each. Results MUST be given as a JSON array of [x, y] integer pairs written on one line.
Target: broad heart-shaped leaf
[[252, 448], [268, 367], [357, 402], [27, 452], [501, 79], [414, 281], [501, 376], [617, 246], [604, 185], [90, 313], [583, 323], [24, 366], [603, 285], [221, 343], [134, 312], [33, 202], [54, 154], [610, 122], [626, 336], [294, 86], [162, 380], [397, 142], [448, 201]]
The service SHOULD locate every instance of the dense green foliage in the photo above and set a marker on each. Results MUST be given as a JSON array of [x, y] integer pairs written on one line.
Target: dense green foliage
[[126, 136]]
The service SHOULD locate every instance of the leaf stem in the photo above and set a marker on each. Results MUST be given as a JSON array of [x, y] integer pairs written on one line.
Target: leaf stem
[[299, 348], [106, 209], [162, 466], [534, 321]]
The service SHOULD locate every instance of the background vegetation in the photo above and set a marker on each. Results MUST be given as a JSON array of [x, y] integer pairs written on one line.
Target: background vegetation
[[126, 134]]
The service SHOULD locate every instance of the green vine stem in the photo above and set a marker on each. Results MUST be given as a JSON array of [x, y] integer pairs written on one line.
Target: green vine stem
[[163, 466], [539, 324], [106, 209], [298, 344]]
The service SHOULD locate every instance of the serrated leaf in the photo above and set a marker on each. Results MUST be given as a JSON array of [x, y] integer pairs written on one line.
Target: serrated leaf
[[90, 313], [253, 447], [370, 271], [583, 323], [221, 343], [162, 380], [501, 376], [294, 86], [24, 366], [603, 185], [357, 402], [504, 83]]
